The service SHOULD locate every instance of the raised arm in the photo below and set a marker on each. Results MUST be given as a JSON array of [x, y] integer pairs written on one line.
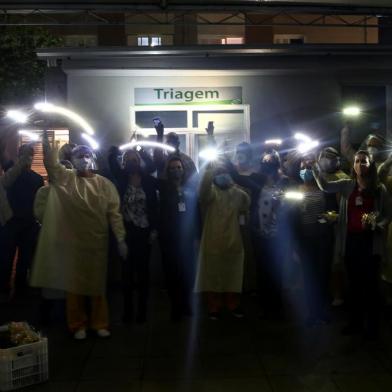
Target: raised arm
[[343, 186], [383, 170], [158, 154], [114, 165], [206, 193], [56, 171], [346, 148]]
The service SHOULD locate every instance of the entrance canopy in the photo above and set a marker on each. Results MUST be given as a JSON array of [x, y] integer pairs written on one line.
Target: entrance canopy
[[251, 5]]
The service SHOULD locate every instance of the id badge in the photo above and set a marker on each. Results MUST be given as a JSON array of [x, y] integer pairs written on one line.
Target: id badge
[[181, 207], [358, 201]]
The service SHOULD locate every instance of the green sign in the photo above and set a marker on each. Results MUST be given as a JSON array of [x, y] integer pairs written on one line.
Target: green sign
[[188, 96]]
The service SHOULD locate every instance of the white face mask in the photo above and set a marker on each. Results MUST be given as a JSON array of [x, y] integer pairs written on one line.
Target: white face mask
[[82, 164]]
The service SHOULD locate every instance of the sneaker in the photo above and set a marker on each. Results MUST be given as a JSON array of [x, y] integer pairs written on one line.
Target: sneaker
[[213, 316], [103, 333], [80, 334], [237, 313]]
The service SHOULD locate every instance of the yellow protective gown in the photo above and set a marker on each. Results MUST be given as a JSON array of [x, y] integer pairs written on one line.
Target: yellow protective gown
[[72, 250], [221, 258]]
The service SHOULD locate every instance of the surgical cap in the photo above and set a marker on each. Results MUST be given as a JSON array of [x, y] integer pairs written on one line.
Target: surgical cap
[[82, 149]]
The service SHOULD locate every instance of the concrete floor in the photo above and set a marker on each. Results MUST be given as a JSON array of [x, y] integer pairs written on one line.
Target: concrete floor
[[214, 356]]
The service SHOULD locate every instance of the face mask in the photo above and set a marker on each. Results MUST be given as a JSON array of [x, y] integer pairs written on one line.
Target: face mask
[[82, 164], [175, 174], [269, 167], [306, 175], [328, 165], [223, 180]]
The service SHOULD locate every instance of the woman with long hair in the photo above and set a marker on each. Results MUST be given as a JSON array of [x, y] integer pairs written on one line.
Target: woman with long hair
[[139, 208], [363, 217], [179, 232]]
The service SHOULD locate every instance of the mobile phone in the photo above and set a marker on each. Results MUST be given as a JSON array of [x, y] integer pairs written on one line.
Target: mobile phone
[[156, 121]]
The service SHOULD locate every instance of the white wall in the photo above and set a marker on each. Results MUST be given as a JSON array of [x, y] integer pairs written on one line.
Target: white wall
[[278, 104]]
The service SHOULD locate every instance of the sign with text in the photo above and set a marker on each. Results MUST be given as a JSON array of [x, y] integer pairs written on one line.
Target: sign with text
[[188, 96]]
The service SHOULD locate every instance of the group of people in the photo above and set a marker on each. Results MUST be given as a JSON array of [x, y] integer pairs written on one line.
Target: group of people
[[231, 227]]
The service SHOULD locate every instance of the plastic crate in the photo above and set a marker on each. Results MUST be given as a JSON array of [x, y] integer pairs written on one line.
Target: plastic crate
[[24, 365]]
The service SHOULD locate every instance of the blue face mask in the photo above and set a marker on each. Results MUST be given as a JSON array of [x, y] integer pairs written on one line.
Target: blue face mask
[[222, 180], [306, 175]]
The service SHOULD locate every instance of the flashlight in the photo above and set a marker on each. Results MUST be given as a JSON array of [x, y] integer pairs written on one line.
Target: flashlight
[[47, 107], [351, 111], [276, 142], [302, 137], [147, 143], [307, 146], [294, 195], [209, 154], [17, 116]]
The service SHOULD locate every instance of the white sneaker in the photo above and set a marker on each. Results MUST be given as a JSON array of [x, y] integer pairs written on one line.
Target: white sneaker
[[103, 333], [80, 334]]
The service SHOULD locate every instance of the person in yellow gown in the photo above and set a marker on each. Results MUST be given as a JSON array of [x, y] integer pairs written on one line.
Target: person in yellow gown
[[72, 251], [221, 259]]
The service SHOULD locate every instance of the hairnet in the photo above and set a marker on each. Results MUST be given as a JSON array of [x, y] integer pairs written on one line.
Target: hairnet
[[83, 149]]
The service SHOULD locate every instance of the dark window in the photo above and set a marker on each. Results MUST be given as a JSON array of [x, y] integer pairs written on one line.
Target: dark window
[[169, 118]]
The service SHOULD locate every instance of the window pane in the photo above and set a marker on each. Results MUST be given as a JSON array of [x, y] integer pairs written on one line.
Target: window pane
[[142, 41], [155, 41], [234, 40], [170, 119]]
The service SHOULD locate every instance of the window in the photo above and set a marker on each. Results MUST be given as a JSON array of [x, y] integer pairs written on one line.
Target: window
[[57, 137], [214, 39], [155, 41], [76, 41], [149, 41], [170, 118], [289, 39], [142, 41], [232, 41]]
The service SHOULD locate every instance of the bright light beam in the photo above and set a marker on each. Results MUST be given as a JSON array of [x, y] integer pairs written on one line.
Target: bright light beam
[[17, 116], [352, 111], [276, 142], [93, 143], [302, 137], [294, 195], [307, 146], [209, 154], [47, 107], [32, 135], [147, 143]]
